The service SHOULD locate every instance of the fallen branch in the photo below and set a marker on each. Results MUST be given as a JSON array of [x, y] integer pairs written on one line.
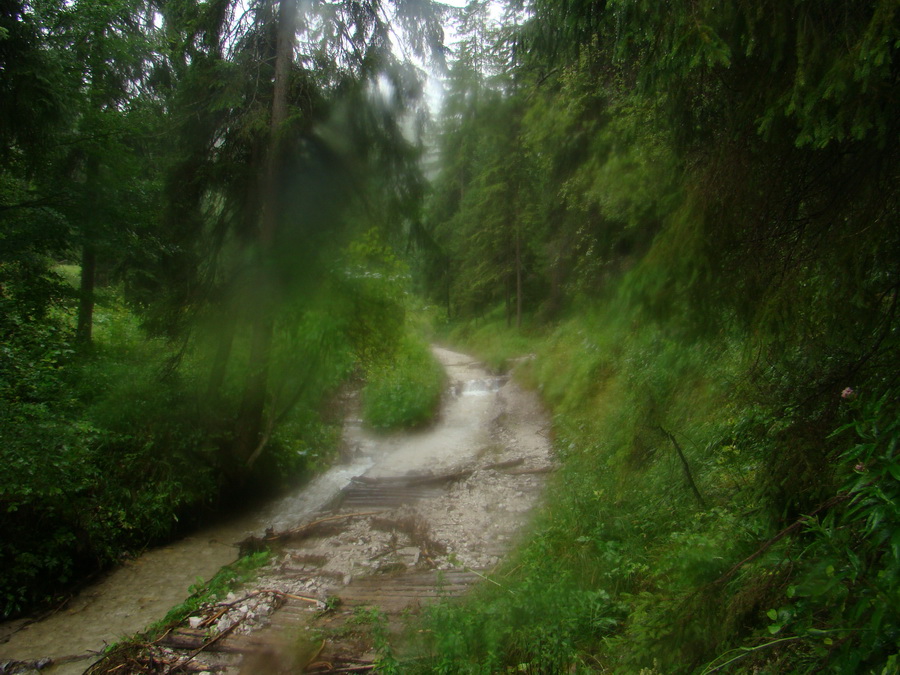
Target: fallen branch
[[747, 651], [440, 478], [328, 668], [163, 636], [225, 607], [685, 466], [212, 618], [188, 640], [204, 646], [194, 667], [388, 551], [314, 656], [417, 531], [834, 501], [504, 465], [314, 601], [273, 591], [436, 479], [303, 529]]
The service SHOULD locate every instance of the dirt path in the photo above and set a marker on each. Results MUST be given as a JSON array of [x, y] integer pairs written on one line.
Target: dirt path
[[433, 513]]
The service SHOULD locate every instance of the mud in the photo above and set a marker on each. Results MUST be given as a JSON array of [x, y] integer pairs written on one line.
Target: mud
[[409, 518]]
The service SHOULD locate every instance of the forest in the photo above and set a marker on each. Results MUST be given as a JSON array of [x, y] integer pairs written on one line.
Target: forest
[[214, 216]]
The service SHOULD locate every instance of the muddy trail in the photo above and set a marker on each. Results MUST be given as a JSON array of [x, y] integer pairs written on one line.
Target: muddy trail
[[408, 518]]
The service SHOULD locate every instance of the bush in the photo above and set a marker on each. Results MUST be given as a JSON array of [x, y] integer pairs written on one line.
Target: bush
[[404, 391]]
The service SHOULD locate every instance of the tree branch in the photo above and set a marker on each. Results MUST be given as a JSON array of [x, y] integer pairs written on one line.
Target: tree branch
[[687, 468]]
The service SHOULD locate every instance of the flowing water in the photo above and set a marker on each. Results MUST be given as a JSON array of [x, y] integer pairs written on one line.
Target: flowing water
[[142, 590]]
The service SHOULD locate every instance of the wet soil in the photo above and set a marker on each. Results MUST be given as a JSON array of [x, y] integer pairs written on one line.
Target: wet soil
[[408, 518]]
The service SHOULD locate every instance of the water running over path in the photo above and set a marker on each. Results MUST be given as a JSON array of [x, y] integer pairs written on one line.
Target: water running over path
[[475, 426]]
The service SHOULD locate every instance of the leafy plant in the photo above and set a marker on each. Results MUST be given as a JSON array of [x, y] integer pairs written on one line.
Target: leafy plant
[[404, 390]]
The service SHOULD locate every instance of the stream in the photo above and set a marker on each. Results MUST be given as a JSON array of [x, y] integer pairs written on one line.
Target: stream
[[142, 590]]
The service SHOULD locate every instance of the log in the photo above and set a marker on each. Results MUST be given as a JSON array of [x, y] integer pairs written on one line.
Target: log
[[191, 642], [298, 532], [535, 470]]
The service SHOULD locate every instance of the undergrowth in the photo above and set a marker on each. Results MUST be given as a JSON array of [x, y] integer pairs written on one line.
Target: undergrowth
[[403, 389], [111, 449], [492, 339], [675, 539]]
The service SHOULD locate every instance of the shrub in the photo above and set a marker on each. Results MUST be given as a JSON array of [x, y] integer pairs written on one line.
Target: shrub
[[405, 390]]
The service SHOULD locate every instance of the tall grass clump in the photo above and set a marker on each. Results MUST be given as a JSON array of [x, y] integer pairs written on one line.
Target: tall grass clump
[[403, 390]]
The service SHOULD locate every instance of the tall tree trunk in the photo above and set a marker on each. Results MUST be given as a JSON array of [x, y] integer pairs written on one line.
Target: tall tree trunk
[[220, 362], [251, 422], [447, 293], [84, 331], [508, 293], [518, 278]]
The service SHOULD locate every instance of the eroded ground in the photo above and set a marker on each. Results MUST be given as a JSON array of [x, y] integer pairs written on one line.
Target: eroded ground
[[428, 514]]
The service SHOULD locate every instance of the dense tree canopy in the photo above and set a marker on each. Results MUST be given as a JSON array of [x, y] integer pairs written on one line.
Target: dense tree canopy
[[189, 179], [705, 196], [688, 210]]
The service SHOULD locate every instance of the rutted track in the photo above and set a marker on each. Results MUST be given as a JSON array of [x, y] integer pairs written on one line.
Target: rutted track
[[433, 514]]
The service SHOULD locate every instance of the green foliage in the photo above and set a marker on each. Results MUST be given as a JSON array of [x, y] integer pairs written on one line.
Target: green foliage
[[403, 381], [376, 280], [404, 389], [375, 623], [841, 604], [493, 340], [820, 71], [628, 572], [140, 138], [81, 484], [624, 534], [227, 579], [116, 451], [710, 200]]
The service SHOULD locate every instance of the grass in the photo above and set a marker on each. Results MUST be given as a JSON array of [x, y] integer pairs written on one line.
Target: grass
[[404, 390], [492, 340], [606, 582], [226, 580]]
